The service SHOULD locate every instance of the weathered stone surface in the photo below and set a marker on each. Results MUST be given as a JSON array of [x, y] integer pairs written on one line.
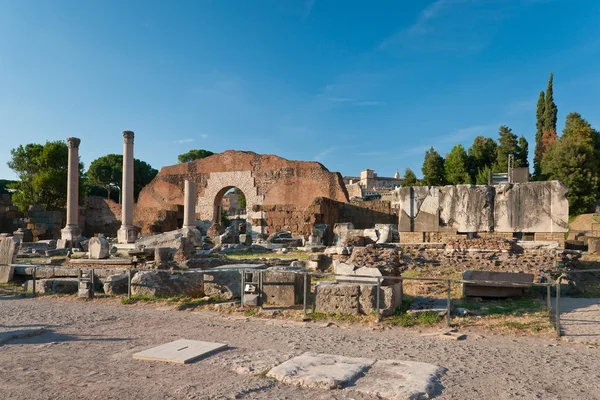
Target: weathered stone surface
[[215, 229], [59, 286], [7, 273], [116, 284], [24, 235], [594, 245], [323, 371], [495, 289], [340, 231], [165, 283], [386, 260], [283, 287], [57, 272], [355, 299], [163, 257], [531, 207], [9, 247], [171, 239], [226, 281], [98, 248], [245, 239], [399, 380], [388, 233]]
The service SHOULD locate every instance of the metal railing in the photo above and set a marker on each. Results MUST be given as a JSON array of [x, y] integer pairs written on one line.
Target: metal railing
[[306, 274]]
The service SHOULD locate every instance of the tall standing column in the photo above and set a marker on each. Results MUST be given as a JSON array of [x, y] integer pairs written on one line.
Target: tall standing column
[[127, 233], [71, 231], [189, 205]]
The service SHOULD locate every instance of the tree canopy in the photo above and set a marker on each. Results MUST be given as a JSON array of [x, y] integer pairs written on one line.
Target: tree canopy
[[107, 172], [482, 155], [508, 143], [457, 166], [42, 172], [410, 179], [433, 170], [194, 155]]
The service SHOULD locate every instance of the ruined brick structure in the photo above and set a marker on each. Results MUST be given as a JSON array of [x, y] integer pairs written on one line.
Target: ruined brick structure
[[271, 185]]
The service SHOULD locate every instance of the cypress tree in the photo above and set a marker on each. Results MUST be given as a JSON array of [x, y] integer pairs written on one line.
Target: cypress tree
[[539, 125], [433, 169], [549, 135]]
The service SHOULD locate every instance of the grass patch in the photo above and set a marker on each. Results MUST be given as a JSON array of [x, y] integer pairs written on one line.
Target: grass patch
[[519, 306], [320, 316], [402, 318], [258, 255]]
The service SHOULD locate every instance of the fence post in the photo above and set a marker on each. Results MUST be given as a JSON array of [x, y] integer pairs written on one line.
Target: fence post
[[548, 298], [129, 284], [92, 284], [377, 301], [33, 283], [558, 308], [242, 291], [449, 301], [305, 294]]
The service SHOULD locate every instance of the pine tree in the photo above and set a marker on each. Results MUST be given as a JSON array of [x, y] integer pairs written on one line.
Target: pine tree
[[522, 153], [433, 169], [410, 179], [507, 144], [456, 166], [539, 125], [482, 154]]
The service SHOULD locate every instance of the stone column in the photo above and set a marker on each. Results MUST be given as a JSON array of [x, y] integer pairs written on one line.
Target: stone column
[[189, 205], [71, 231], [127, 233]]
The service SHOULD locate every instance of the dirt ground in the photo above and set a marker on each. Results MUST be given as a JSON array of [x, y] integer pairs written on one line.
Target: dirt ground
[[86, 353]]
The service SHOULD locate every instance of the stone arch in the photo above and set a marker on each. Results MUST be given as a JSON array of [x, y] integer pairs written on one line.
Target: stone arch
[[218, 183]]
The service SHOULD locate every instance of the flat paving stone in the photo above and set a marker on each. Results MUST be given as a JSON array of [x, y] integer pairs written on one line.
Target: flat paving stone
[[391, 379], [325, 371], [8, 333], [180, 351]]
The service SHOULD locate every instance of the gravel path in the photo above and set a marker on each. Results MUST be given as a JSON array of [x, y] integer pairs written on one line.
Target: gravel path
[[579, 319], [87, 350]]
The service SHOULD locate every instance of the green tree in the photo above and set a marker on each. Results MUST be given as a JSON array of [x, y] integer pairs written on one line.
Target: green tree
[[522, 153], [5, 186], [224, 218], [107, 172], [194, 155], [410, 179], [241, 197], [574, 159], [509, 144], [457, 166], [539, 132], [433, 169], [42, 172], [483, 176], [550, 114], [482, 154]]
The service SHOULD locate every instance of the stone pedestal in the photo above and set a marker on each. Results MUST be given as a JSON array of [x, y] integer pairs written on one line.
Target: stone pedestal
[[127, 234]]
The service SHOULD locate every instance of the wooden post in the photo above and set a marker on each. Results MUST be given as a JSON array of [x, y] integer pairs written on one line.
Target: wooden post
[[449, 306]]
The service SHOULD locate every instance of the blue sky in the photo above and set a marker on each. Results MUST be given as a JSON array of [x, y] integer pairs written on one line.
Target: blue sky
[[352, 84]]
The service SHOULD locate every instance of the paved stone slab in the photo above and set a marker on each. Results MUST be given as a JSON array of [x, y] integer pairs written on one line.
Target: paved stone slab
[[579, 319], [10, 333], [180, 351], [325, 371], [391, 379]]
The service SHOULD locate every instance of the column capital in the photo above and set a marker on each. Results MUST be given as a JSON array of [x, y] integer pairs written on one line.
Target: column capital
[[73, 142], [128, 137]]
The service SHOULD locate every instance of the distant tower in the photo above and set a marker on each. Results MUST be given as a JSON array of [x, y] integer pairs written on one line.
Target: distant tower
[[397, 175]]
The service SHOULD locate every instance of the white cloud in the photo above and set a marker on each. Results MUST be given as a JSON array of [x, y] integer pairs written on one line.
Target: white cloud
[[182, 141]]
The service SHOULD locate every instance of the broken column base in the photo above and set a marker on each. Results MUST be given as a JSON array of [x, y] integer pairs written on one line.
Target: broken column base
[[127, 234], [345, 298], [71, 234]]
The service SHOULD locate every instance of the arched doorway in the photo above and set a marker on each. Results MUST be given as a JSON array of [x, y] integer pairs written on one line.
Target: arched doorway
[[229, 204]]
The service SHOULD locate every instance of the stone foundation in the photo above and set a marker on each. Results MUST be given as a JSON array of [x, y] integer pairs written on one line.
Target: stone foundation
[[356, 299]]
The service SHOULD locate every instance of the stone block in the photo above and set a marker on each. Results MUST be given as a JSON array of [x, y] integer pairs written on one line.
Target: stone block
[[98, 248], [7, 273], [355, 299], [116, 284], [166, 283], [340, 231], [283, 287], [226, 281], [163, 257], [246, 239], [9, 247], [492, 289], [48, 286], [594, 245], [24, 234]]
